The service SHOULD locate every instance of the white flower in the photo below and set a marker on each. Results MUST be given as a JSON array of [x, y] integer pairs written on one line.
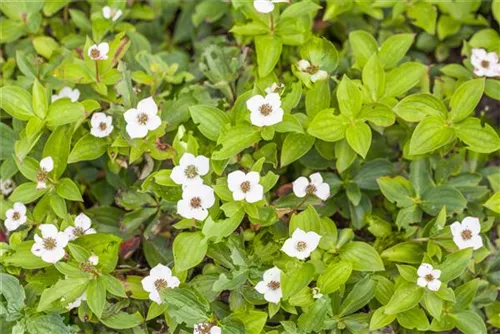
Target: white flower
[[316, 74], [266, 6], [82, 227], [316, 292], [50, 247], [301, 244], [160, 277], [206, 328], [302, 187], [265, 110], [46, 166], [67, 92], [94, 260], [111, 13], [275, 88], [6, 186], [466, 234], [485, 64], [270, 286], [77, 302], [195, 202], [190, 169], [99, 52], [142, 119], [245, 186], [15, 216], [428, 277], [102, 125]]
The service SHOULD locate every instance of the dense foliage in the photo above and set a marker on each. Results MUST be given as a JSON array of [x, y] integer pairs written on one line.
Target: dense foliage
[[249, 166]]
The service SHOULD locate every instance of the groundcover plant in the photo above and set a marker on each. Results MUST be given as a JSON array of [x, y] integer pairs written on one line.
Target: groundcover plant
[[249, 166]]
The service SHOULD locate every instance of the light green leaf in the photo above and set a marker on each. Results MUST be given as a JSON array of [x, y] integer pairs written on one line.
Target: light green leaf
[[16, 102], [63, 111], [362, 256], [403, 78], [374, 77], [334, 276], [465, 99], [189, 250], [327, 126], [478, 137], [363, 45], [295, 146], [349, 97], [406, 296], [430, 134], [360, 295], [96, 296], [268, 50], [235, 140], [210, 120], [394, 49], [416, 107], [359, 137], [88, 147]]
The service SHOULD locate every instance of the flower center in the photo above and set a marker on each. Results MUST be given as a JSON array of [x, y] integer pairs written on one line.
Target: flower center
[[204, 328], [265, 109], [191, 172], [113, 12], [429, 277], [103, 126], [466, 234], [301, 246], [311, 189], [245, 186], [16, 215], [142, 118], [49, 243], [311, 69], [78, 232], [41, 175], [87, 266], [160, 284], [273, 285], [485, 64], [195, 202], [95, 53]]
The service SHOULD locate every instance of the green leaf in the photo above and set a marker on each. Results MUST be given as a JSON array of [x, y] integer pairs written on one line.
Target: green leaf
[[189, 250], [443, 195], [96, 296], [469, 322], [88, 147], [235, 140], [359, 137], [380, 319], [349, 97], [394, 49], [210, 119], [415, 108], [493, 203], [222, 228], [414, 318], [185, 305], [13, 293], [295, 280], [63, 111], [403, 78], [314, 318], [465, 294], [430, 134], [406, 296], [16, 102], [70, 289], [465, 99], [67, 189], [362, 256], [454, 264], [105, 246], [57, 147], [26, 193], [374, 77], [123, 320], [360, 295], [406, 252], [268, 50], [319, 51], [363, 45], [295, 146], [327, 126], [45, 45], [334, 276], [481, 138], [378, 114], [423, 15], [318, 97], [40, 102], [308, 220]]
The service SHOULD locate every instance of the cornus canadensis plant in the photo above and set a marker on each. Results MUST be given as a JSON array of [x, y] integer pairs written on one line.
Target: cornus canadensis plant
[[249, 167]]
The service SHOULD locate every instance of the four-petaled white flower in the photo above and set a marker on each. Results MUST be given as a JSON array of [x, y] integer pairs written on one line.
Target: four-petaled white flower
[[190, 169], [67, 92], [99, 52], [15, 216], [142, 119], [82, 227], [316, 74], [77, 302], [195, 202], [206, 328], [428, 277], [266, 6], [485, 63], [302, 187], [50, 247], [6, 186], [265, 110], [270, 286], [102, 125], [466, 234], [111, 13], [275, 88], [301, 244], [160, 277], [245, 186], [46, 166]]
